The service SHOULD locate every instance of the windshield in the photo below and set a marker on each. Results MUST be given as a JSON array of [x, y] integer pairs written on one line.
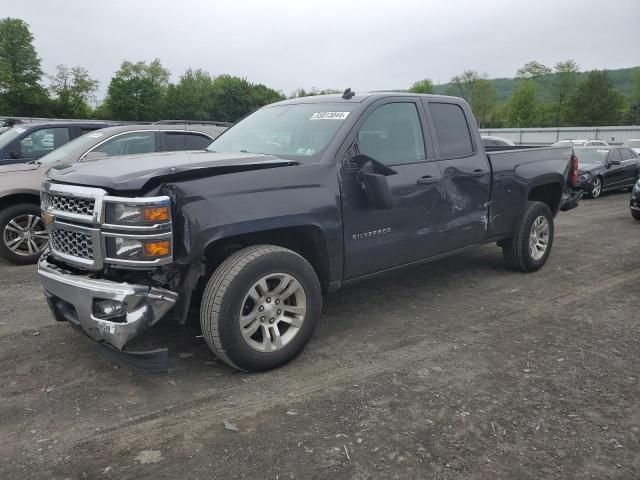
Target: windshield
[[10, 135], [288, 131], [82, 144], [592, 155]]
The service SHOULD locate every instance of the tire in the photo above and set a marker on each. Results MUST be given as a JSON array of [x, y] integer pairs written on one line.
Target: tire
[[517, 251], [235, 290], [635, 214], [22, 219], [596, 191]]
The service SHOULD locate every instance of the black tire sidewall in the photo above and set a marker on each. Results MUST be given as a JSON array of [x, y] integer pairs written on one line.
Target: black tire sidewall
[[236, 348], [635, 214], [6, 215], [536, 210]]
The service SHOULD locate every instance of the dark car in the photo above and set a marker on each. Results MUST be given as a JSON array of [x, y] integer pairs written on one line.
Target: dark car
[[634, 203], [606, 168], [293, 201], [22, 233], [25, 143]]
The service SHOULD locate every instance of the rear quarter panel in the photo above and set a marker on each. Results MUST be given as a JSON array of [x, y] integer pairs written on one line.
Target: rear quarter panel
[[515, 174]]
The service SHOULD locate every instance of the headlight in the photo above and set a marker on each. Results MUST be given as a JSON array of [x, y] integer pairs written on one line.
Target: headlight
[[137, 214], [138, 249], [585, 177]]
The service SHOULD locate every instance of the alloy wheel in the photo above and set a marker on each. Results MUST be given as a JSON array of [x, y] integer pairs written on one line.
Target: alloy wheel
[[596, 188], [25, 235], [539, 237], [273, 312]]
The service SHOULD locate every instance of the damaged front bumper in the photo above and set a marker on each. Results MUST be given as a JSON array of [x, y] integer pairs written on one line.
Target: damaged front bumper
[[77, 298]]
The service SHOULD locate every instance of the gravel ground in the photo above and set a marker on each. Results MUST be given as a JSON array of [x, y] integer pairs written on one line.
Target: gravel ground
[[454, 369]]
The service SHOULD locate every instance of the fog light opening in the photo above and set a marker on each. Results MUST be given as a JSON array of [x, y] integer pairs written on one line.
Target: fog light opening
[[107, 309]]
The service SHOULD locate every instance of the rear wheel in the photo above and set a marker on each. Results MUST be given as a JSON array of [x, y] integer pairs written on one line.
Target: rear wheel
[[260, 307], [530, 247], [23, 236]]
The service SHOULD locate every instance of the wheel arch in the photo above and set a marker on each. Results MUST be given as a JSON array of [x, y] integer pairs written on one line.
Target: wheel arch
[[549, 193], [19, 197], [307, 240]]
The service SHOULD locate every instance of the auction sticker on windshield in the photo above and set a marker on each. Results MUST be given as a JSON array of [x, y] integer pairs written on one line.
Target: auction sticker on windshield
[[329, 116]]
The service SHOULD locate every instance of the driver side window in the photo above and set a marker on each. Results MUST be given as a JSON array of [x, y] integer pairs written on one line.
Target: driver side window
[[392, 135]]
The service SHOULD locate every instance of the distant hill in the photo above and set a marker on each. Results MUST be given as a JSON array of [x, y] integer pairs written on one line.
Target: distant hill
[[621, 78]]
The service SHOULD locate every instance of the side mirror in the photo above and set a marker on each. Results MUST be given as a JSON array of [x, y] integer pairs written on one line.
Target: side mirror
[[615, 162], [372, 176]]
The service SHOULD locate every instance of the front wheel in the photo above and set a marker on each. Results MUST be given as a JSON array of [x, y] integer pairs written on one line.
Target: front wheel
[[23, 235], [596, 187], [260, 307], [530, 247]]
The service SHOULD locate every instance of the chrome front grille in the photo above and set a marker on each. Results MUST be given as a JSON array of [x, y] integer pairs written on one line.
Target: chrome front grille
[[75, 205], [74, 243]]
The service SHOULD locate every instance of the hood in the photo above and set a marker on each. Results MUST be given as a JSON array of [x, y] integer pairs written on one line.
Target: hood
[[19, 167], [26, 180], [140, 172]]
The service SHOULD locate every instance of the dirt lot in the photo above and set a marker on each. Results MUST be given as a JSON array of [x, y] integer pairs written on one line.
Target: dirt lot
[[456, 369]]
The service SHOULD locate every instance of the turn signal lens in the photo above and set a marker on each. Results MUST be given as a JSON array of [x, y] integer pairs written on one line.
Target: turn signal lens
[[155, 214], [160, 248]]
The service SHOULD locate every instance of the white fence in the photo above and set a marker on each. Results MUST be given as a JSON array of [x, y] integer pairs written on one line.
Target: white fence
[[547, 136]]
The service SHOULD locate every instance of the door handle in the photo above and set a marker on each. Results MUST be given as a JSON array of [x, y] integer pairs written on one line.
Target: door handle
[[426, 180], [478, 172]]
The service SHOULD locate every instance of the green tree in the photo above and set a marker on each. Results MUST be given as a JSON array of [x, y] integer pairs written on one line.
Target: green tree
[[483, 100], [478, 91], [632, 116], [20, 72], [595, 102], [422, 86], [234, 97], [74, 90], [533, 70], [523, 106], [191, 98], [136, 91], [301, 92], [565, 82]]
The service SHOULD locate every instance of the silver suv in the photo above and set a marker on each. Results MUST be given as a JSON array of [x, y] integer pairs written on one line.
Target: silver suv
[[22, 232]]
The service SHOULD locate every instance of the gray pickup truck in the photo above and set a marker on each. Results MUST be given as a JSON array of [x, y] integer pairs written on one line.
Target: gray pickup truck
[[294, 201]]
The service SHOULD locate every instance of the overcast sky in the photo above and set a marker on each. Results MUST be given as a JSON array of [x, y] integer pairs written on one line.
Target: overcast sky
[[332, 44]]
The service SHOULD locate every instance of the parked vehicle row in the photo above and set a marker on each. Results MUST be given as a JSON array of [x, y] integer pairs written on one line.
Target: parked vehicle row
[[24, 236], [293, 201], [24, 143], [606, 168]]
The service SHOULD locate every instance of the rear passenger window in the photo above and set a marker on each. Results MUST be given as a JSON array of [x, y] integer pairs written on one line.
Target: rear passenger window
[[197, 142], [452, 130], [174, 141], [392, 135], [627, 154]]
